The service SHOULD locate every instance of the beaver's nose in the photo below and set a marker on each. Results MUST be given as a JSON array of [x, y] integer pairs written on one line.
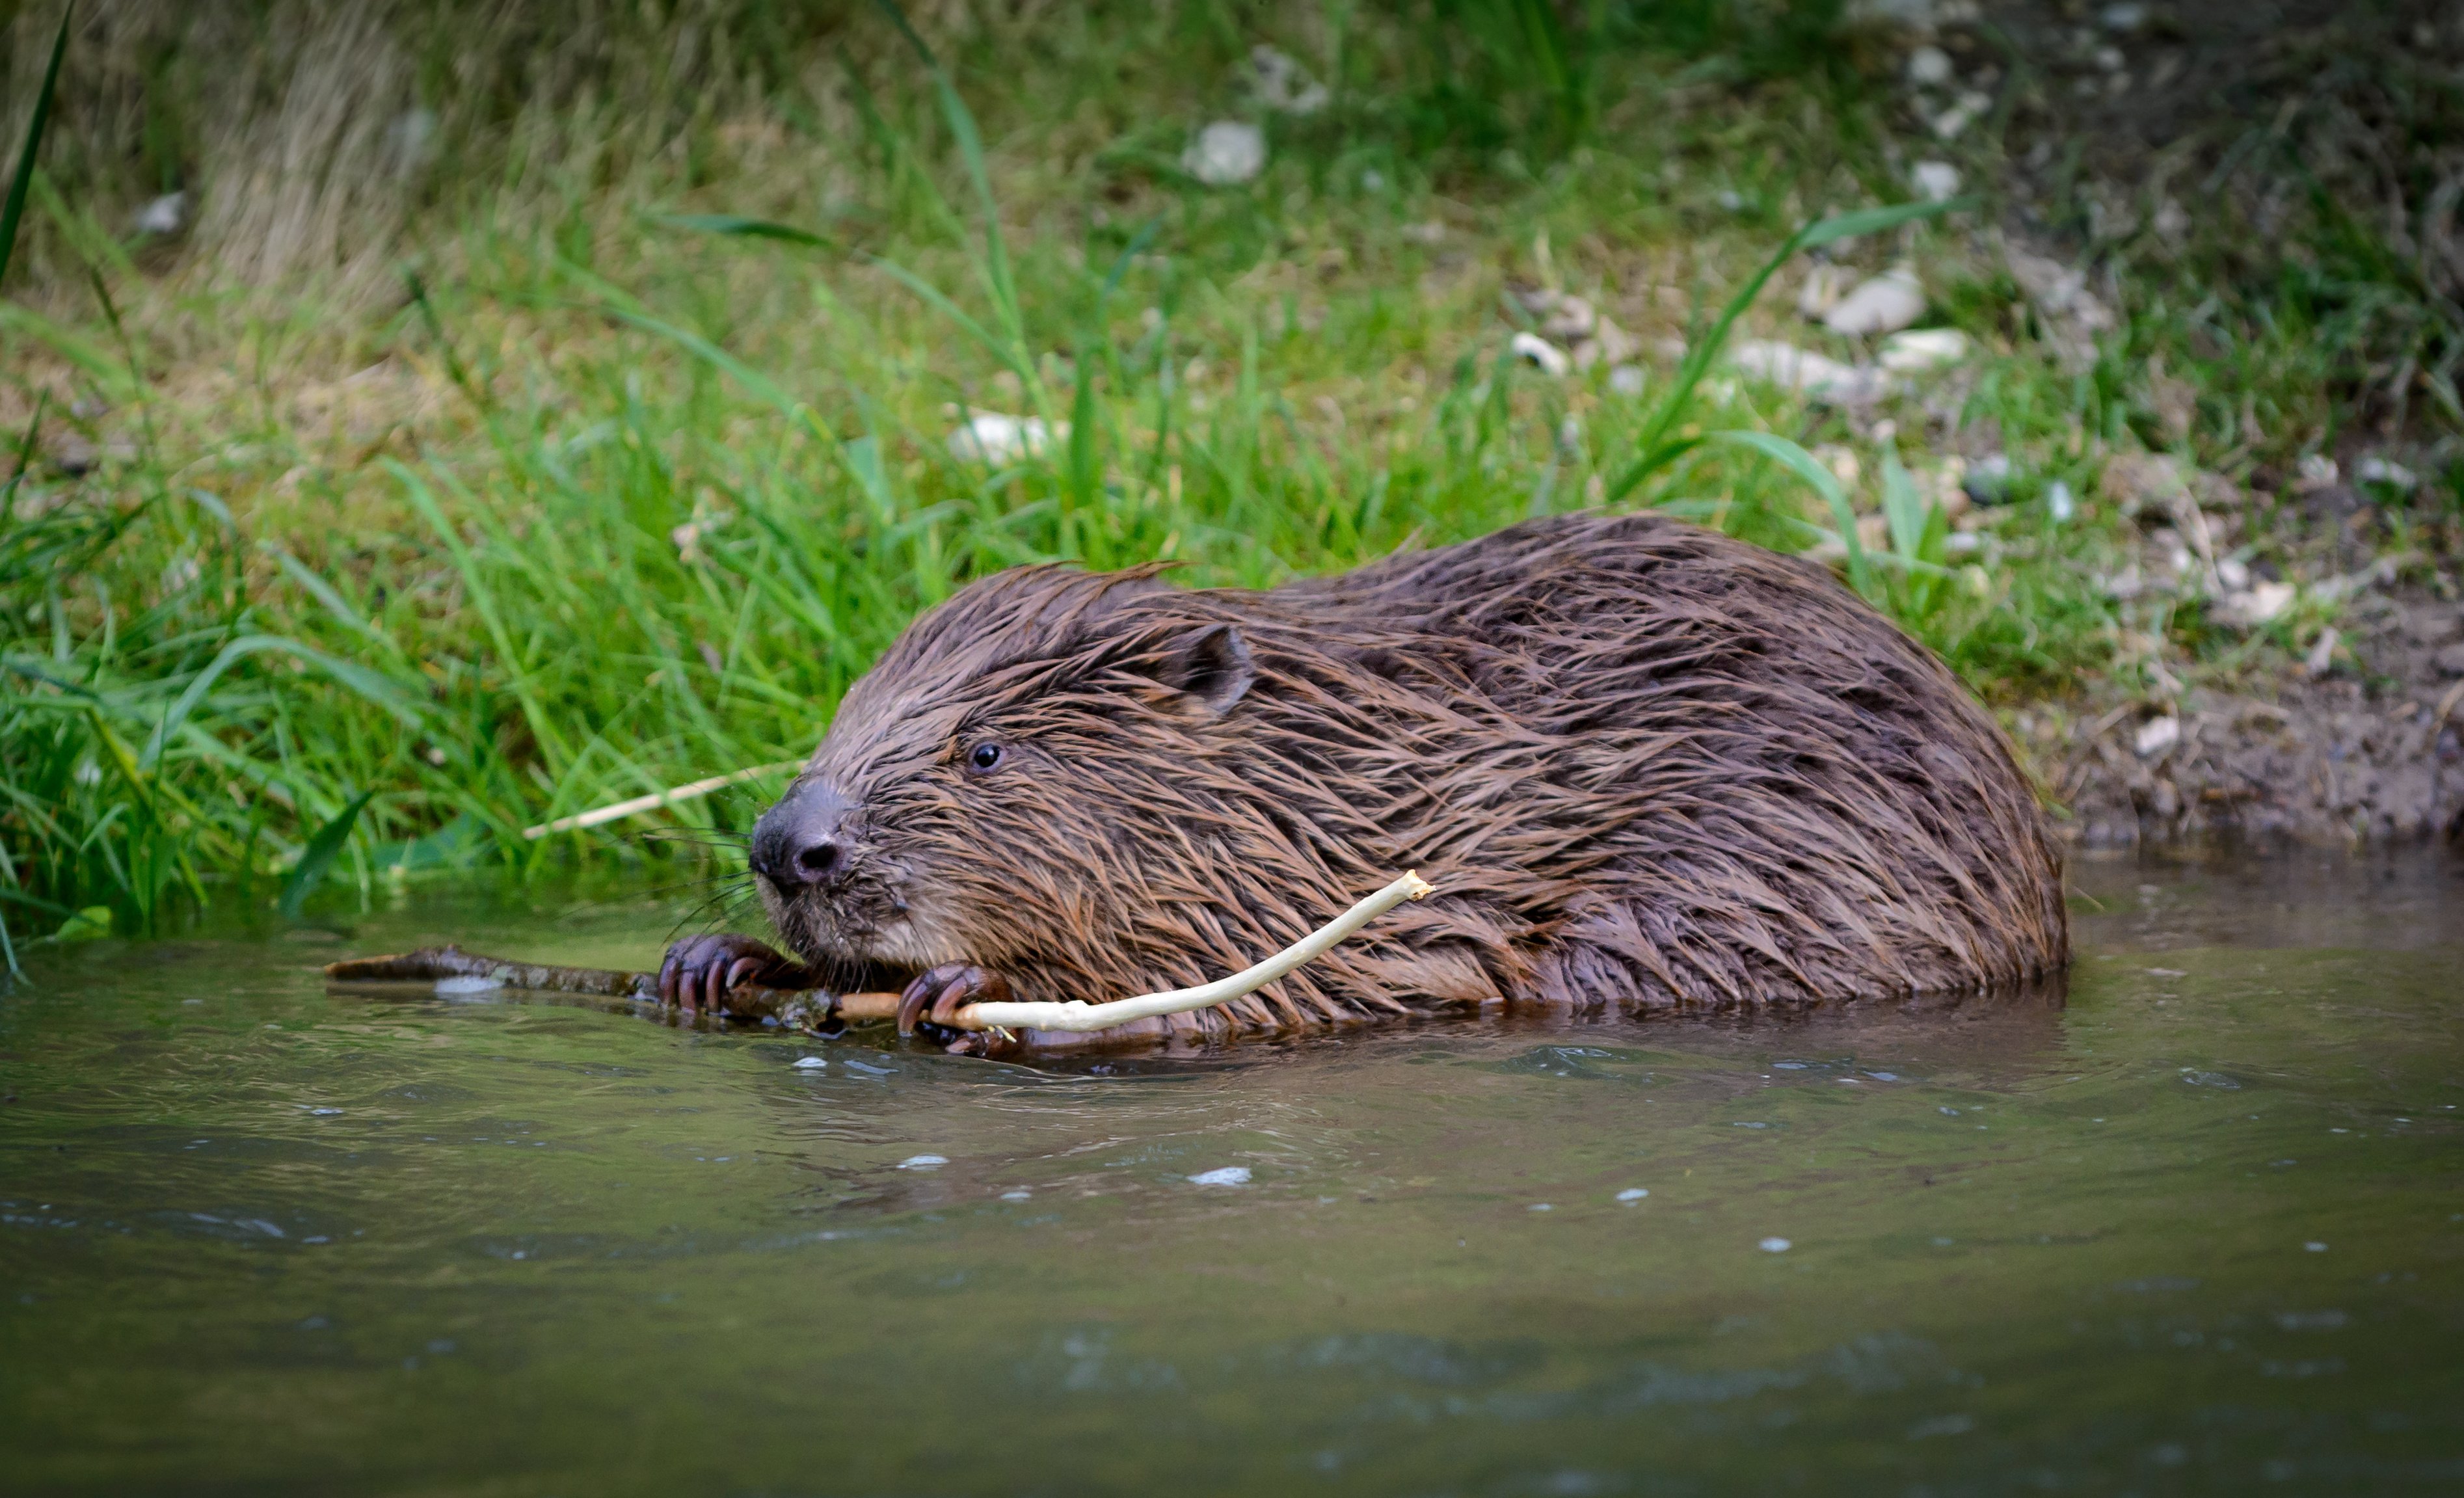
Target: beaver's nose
[[802, 840]]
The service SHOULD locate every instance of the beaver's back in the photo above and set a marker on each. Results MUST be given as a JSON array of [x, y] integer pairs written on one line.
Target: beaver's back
[[1728, 779]]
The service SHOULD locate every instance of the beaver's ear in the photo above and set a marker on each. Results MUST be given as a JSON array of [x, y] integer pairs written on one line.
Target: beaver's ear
[[1211, 665]]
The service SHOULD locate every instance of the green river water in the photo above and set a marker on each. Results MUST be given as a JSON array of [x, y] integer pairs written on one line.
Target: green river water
[[2190, 1222]]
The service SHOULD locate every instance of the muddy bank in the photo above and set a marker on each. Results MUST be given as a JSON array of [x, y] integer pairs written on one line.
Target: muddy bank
[[2370, 751]]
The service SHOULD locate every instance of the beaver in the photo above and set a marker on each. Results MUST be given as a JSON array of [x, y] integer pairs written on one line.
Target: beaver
[[1648, 768]]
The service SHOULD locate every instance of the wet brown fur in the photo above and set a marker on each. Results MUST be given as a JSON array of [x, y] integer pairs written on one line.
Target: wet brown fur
[[1647, 767]]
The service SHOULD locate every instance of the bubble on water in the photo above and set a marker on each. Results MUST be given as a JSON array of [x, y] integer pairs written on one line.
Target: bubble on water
[[1221, 1176], [810, 1063], [923, 1161], [1633, 1194], [1774, 1245]]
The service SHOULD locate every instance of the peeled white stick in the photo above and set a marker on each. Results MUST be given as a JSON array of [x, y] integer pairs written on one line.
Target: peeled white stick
[[655, 799], [1079, 1015]]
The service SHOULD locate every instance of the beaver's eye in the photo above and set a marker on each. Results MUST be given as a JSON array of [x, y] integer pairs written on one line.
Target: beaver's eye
[[984, 756]]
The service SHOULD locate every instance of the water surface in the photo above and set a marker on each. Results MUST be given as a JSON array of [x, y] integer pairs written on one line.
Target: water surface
[[2189, 1222]]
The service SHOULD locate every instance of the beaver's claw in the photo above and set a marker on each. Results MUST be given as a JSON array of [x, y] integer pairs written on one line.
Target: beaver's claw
[[931, 1003], [700, 970]]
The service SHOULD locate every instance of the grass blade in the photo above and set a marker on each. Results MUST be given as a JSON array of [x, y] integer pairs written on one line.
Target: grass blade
[[16, 207], [1806, 465], [319, 856], [737, 226]]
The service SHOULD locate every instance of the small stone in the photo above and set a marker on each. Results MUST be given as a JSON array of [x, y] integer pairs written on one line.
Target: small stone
[[478, 984], [1939, 181], [1929, 67], [1920, 350], [991, 437], [1608, 343], [1633, 1194], [1626, 380], [2256, 604], [1988, 479], [2059, 503], [1221, 1176], [1569, 318], [1226, 153], [1884, 304], [1283, 84], [1824, 286], [2449, 661], [1818, 375], [2317, 470], [162, 215], [2387, 471], [1774, 1245], [1550, 360], [2125, 17], [1954, 123], [2321, 658], [2156, 736]]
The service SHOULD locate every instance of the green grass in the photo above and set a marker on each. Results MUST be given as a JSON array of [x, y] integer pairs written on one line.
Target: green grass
[[635, 476]]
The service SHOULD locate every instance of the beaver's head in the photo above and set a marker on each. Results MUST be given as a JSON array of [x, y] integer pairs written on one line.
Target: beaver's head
[[1001, 785]]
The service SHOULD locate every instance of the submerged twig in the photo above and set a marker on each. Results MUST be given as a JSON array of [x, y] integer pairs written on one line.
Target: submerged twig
[[812, 1009]]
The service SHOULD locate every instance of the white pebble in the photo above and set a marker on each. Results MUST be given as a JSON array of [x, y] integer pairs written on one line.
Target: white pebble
[[1774, 1245], [1929, 67], [1884, 304], [811, 1064], [923, 1161], [1938, 181], [162, 215], [2058, 502], [1538, 351], [1221, 1176], [1818, 375], [1020, 1195], [1226, 154], [1920, 350], [1633, 1194], [1626, 380], [991, 437]]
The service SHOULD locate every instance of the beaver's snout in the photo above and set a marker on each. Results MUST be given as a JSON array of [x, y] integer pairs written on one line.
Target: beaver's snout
[[802, 840]]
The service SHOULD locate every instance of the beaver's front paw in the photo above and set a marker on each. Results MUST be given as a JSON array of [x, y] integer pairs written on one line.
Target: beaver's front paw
[[931, 1003], [700, 970]]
